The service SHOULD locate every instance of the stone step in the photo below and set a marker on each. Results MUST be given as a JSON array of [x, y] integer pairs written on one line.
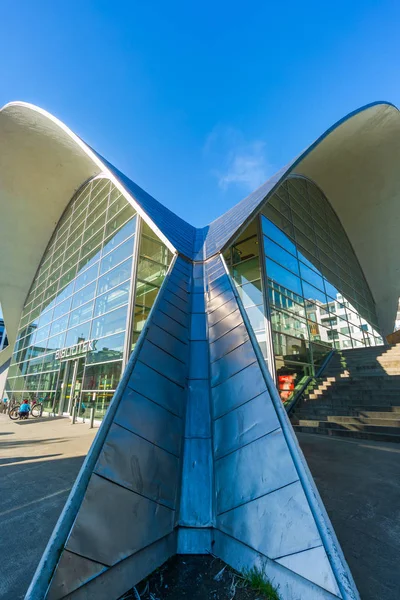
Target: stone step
[[357, 396], [367, 414], [346, 421], [356, 426], [349, 433], [354, 408]]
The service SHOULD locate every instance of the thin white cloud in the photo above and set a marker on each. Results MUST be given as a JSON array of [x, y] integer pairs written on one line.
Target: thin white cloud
[[238, 161]]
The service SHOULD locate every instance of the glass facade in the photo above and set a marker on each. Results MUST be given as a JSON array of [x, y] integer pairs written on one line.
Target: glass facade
[[317, 296], [75, 329]]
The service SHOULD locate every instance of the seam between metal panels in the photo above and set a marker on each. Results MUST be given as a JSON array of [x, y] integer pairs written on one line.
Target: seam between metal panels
[[177, 308], [146, 440], [240, 405], [168, 315], [333, 550], [229, 352], [226, 333], [235, 373], [299, 552], [171, 334], [86, 558], [153, 401], [162, 375], [264, 435], [224, 512], [124, 487], [166, 351], [44, 573], [274, 560]]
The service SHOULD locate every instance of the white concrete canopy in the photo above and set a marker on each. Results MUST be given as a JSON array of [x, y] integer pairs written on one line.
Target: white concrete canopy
[[42, 164], [355, 163], [357, 166]]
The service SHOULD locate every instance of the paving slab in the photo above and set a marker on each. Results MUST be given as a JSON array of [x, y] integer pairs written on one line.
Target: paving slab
[[39, 462], [359, 482]]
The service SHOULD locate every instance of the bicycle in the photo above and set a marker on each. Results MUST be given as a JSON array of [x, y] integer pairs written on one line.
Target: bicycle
[[35, 411]]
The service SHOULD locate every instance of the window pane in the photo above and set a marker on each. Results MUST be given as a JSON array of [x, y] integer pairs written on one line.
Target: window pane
[[81, 314], [273, 232], [110, 300], [311, 293], [251, 293], [282, 257], [311, 277], [84, 295], [286, 279], [115, 277], [77, 334], [102, 376], [108, 348], [112, 322], [116, 256], [247, 271]]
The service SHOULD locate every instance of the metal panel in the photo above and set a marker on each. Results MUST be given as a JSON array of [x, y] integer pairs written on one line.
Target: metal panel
[[163, 363], [198, 270], [108, 535], [198, 360], [218, 282], [198, 326], [178, 291], [183, 266], [140, 466], [261, 467], [223, 285], [284, 521], [151, 421], [234, 338], [237, 390], [180, 281], [222, 311], [151, 384], [72, 572], [192, 540], [183, 305], [313, 565], [169, 343], [198, 303], [114, 582], [232, 363], [219, 300], [176, 329], [225, 325], [244, 425], [196, 496], [197, 286], [241, 557], [198, 409], [175, 313]]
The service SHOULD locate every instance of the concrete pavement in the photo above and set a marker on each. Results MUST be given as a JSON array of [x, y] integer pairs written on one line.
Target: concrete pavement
[[39, 462], [359, 482]]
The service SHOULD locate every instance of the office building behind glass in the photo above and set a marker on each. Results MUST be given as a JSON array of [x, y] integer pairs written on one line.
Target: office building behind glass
[[89, 300], [316, 299]]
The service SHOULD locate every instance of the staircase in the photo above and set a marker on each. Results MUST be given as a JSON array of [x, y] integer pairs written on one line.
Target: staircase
[[357, 396]]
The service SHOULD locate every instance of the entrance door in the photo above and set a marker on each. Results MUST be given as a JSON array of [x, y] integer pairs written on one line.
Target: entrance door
[[71, 375]]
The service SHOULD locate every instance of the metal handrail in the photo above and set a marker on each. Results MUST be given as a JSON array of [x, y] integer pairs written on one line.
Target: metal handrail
[[299, 394]]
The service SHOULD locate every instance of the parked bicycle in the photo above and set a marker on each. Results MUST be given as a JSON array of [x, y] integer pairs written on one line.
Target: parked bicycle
[[14, 411]]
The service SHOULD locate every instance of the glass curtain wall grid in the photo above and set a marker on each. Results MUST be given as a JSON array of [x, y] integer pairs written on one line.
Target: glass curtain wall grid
[[317, 296], [75, 330]]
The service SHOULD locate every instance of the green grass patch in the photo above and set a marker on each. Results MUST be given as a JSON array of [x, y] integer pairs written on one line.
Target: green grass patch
[[258, 581]]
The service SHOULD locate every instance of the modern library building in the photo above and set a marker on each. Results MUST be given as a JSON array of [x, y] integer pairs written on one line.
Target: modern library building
[[188, 342]]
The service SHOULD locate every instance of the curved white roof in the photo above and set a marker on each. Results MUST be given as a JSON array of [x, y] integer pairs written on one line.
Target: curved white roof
[[42, 164]]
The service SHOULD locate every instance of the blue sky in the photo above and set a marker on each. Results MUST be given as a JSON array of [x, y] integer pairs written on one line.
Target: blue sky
[[199, 103]]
